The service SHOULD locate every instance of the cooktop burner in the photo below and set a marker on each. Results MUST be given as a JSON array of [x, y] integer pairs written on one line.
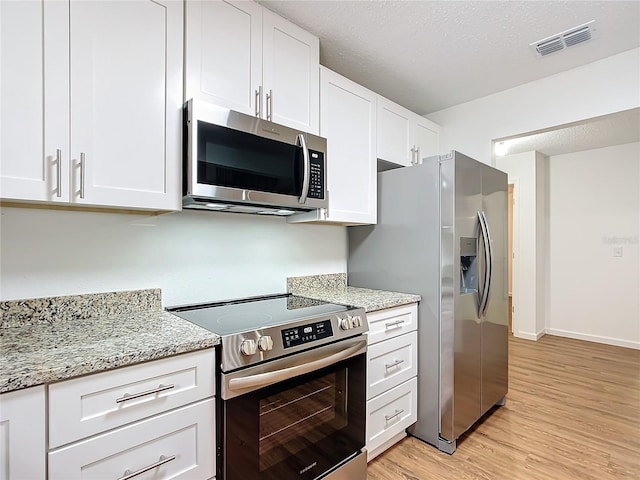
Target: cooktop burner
[[236, 316]]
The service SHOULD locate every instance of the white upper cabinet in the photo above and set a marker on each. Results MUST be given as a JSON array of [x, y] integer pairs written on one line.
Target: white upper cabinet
[[126, 97], [404, 137], [426, 138], [291, 58], [348, 121], [241, 56], [34, 101], [223, 53], [111, 87], [394, 132]]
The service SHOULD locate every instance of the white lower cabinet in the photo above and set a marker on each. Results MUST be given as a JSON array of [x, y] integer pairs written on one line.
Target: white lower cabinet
[[150, 420], [22, 434], [85, 406], [389, 414], [392, 368], [391, 363], [177, 444]]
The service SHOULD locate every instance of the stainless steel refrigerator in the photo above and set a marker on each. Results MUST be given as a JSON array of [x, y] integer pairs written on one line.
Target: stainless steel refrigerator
[[442, 234]]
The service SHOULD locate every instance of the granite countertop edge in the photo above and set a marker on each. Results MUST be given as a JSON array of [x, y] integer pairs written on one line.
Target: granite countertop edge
[[369, 299], [44, 354]]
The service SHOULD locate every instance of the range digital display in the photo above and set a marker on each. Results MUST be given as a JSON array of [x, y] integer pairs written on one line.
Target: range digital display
[[292, 337]]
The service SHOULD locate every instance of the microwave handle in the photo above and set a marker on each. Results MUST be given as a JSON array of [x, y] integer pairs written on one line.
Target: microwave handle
[[307, 168]]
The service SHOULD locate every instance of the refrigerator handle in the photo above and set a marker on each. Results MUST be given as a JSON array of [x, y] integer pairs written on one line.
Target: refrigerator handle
[[489, 265], [484, 294]]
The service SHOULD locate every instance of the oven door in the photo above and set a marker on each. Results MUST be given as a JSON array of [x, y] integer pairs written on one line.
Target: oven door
[[300, 426]]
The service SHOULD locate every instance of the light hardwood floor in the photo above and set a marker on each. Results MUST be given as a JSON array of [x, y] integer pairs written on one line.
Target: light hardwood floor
[[572, 412]]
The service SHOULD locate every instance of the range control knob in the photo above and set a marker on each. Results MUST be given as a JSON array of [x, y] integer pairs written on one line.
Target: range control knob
[[248, 347], [345, 323], [356, 321], [265, 343]]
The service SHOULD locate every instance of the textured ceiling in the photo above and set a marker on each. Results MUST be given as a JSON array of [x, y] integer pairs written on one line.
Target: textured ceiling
[[608, 130], [430, 55]]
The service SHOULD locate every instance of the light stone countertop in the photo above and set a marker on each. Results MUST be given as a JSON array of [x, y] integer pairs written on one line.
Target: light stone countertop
[[43, 340], [333, 288]]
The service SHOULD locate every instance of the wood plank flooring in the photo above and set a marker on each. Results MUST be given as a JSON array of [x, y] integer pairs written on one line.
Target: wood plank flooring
[[572, 412]]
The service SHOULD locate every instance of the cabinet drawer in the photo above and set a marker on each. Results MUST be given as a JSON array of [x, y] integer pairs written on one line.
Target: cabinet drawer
[[93, 404], [391, 322], [390, 413], [181, 441], [390, 363]]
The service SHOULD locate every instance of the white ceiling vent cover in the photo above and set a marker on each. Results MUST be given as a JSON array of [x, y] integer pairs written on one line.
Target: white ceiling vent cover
[[562, 40]]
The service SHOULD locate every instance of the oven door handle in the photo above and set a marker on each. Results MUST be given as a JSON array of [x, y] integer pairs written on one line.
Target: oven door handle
[[270, 378]]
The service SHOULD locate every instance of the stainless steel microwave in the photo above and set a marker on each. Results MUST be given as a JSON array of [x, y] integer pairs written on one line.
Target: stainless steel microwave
[[238, 163]]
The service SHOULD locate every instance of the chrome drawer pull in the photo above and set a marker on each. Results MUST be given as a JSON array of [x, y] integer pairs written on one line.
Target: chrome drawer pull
[[394, 364], [161, 388], [129, 474], [395, 414], [397, 323]]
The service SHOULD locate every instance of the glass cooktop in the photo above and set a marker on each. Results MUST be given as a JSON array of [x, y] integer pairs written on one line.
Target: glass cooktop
[[236, 316]]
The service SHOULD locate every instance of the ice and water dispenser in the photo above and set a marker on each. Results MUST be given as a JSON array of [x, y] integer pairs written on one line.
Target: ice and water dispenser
[[468, 265]]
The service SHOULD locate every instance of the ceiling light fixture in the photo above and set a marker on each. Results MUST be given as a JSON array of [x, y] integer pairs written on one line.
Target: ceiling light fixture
[[501, 149]]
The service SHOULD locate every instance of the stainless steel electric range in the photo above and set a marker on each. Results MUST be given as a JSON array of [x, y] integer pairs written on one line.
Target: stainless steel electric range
[[292, 383]]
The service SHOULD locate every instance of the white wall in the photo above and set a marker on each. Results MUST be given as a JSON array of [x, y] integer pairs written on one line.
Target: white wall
[[529, 271], [606, 86], [193, 256], [595, 207]]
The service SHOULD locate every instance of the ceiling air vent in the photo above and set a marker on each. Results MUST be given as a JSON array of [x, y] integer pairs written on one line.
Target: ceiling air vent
[[565, 39]]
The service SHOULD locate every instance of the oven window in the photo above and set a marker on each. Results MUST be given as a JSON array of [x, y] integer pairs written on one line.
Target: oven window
[[296, 429], [292, 420], [230, 158]]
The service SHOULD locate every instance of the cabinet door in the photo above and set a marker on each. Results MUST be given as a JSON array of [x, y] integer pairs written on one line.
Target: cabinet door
[[223, 53], [348, 121], [394, 132], [291, 59], [34, 101], [126, 98], [22, 435], [179, 444], [426, 138]]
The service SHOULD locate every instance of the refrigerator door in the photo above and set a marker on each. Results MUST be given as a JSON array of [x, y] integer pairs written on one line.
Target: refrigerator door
[[462, 274], [495, 323]]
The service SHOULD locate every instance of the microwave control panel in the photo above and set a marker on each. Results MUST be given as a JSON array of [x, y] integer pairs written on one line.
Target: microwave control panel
[[316, 181]]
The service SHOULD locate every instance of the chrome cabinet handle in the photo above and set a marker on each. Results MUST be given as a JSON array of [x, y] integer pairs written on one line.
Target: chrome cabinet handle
[[83, 158], [396, 323], [161, 388], [59, 172], [395, 414], [394, 364], [418, 162], [269, 105], [129, 474], [413, 155], [258, 101], [307, 168]]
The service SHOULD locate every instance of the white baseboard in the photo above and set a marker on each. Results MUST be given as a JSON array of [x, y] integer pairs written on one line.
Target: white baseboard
[[529, 336], [594, 338]]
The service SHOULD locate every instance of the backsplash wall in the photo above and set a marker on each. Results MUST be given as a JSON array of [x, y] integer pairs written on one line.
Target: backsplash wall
[[192, 256]]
